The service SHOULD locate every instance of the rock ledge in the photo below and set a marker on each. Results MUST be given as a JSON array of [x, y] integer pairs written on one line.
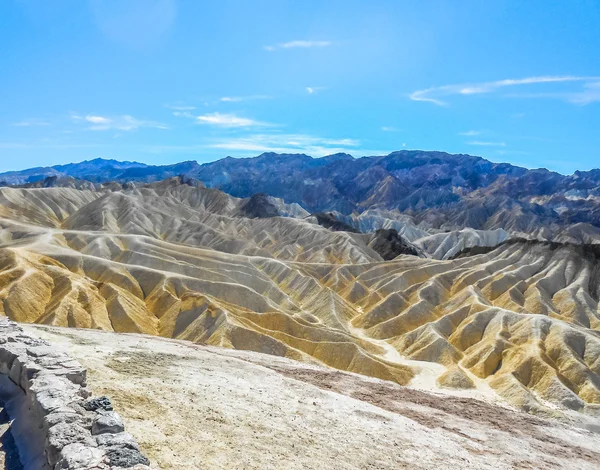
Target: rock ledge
[[77, 432]]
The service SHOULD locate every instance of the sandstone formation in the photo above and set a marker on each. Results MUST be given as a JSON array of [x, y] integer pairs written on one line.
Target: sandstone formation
[[179, 261]]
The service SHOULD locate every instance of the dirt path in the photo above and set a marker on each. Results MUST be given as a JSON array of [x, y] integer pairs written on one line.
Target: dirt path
[[193, 407]]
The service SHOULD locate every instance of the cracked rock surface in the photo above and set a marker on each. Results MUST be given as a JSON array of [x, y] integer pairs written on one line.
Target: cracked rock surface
[[60, 426]]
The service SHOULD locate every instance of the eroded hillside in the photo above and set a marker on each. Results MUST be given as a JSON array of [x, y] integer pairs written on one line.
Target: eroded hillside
[[186, 262]]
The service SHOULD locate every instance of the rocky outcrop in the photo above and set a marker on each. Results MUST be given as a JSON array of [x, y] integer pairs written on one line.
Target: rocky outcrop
[[258, 207], [389, 244], [330, 221], [56, 423]]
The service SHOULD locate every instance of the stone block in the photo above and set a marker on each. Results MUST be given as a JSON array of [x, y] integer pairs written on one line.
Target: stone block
[[122, 439], [68, 417], [50, 394], [78, 456], [99, 403], [62, 435], [124, 457], [107, 422]]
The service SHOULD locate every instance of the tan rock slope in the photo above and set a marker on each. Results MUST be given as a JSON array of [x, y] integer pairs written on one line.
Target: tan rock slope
[[178, 261]]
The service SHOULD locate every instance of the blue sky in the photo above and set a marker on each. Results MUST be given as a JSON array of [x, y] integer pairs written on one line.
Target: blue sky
[[162, 81]]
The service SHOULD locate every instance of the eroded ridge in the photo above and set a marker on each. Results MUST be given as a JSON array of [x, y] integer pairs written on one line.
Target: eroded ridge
[[56, 423], [520, 319]]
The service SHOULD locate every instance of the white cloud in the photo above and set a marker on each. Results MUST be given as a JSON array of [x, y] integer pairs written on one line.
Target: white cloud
[[298, 44], [311, 90], [590, 94], [97, 119], [288, 143], [237, 99], [228, 120], [122, 123], [487, 144], [435, 95], [180, 107], [390, 129], [186, 114], [470, 133]]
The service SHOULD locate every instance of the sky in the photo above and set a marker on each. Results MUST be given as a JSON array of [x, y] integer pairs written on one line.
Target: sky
[[164, 81]]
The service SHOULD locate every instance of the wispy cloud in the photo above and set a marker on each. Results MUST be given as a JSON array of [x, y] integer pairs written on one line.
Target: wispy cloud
[[311, 90], [470, 133], [511, 152], [287, 143], [590, 94], [237, 99], [487, 144], [298, 45], [180, 107], [31, 122], [97, 119], [121, 123], [437, 95], [181, 110], [185, 114], [390, 129], [229, 120]]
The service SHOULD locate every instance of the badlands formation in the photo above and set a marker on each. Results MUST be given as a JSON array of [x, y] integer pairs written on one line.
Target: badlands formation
[[518, 321]]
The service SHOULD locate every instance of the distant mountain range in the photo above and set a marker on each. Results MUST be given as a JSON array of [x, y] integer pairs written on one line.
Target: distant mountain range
[[434, 189]]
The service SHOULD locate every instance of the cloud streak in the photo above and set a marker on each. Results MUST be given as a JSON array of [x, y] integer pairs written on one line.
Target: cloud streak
[[180, 107], [481, 143], [311, 90], [288, 143], [237, 99], [121, 123], [298, 45], [438, 95], [228, 120]]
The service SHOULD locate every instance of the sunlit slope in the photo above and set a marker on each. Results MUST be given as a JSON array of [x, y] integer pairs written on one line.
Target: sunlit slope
[[181, 214], [522, 319], [137, 284]]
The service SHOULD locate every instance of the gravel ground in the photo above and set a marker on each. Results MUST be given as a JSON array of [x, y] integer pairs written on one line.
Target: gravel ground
[[193, 407]]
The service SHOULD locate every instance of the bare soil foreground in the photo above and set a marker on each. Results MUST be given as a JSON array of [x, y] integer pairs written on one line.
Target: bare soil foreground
[[197, 407]]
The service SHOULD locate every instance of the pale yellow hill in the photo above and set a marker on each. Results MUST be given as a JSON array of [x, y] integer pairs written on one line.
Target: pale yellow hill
[[176, 261]]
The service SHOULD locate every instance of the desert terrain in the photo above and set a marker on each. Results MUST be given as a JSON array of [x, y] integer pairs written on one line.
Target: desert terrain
[[181, 261], [194, 406]]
